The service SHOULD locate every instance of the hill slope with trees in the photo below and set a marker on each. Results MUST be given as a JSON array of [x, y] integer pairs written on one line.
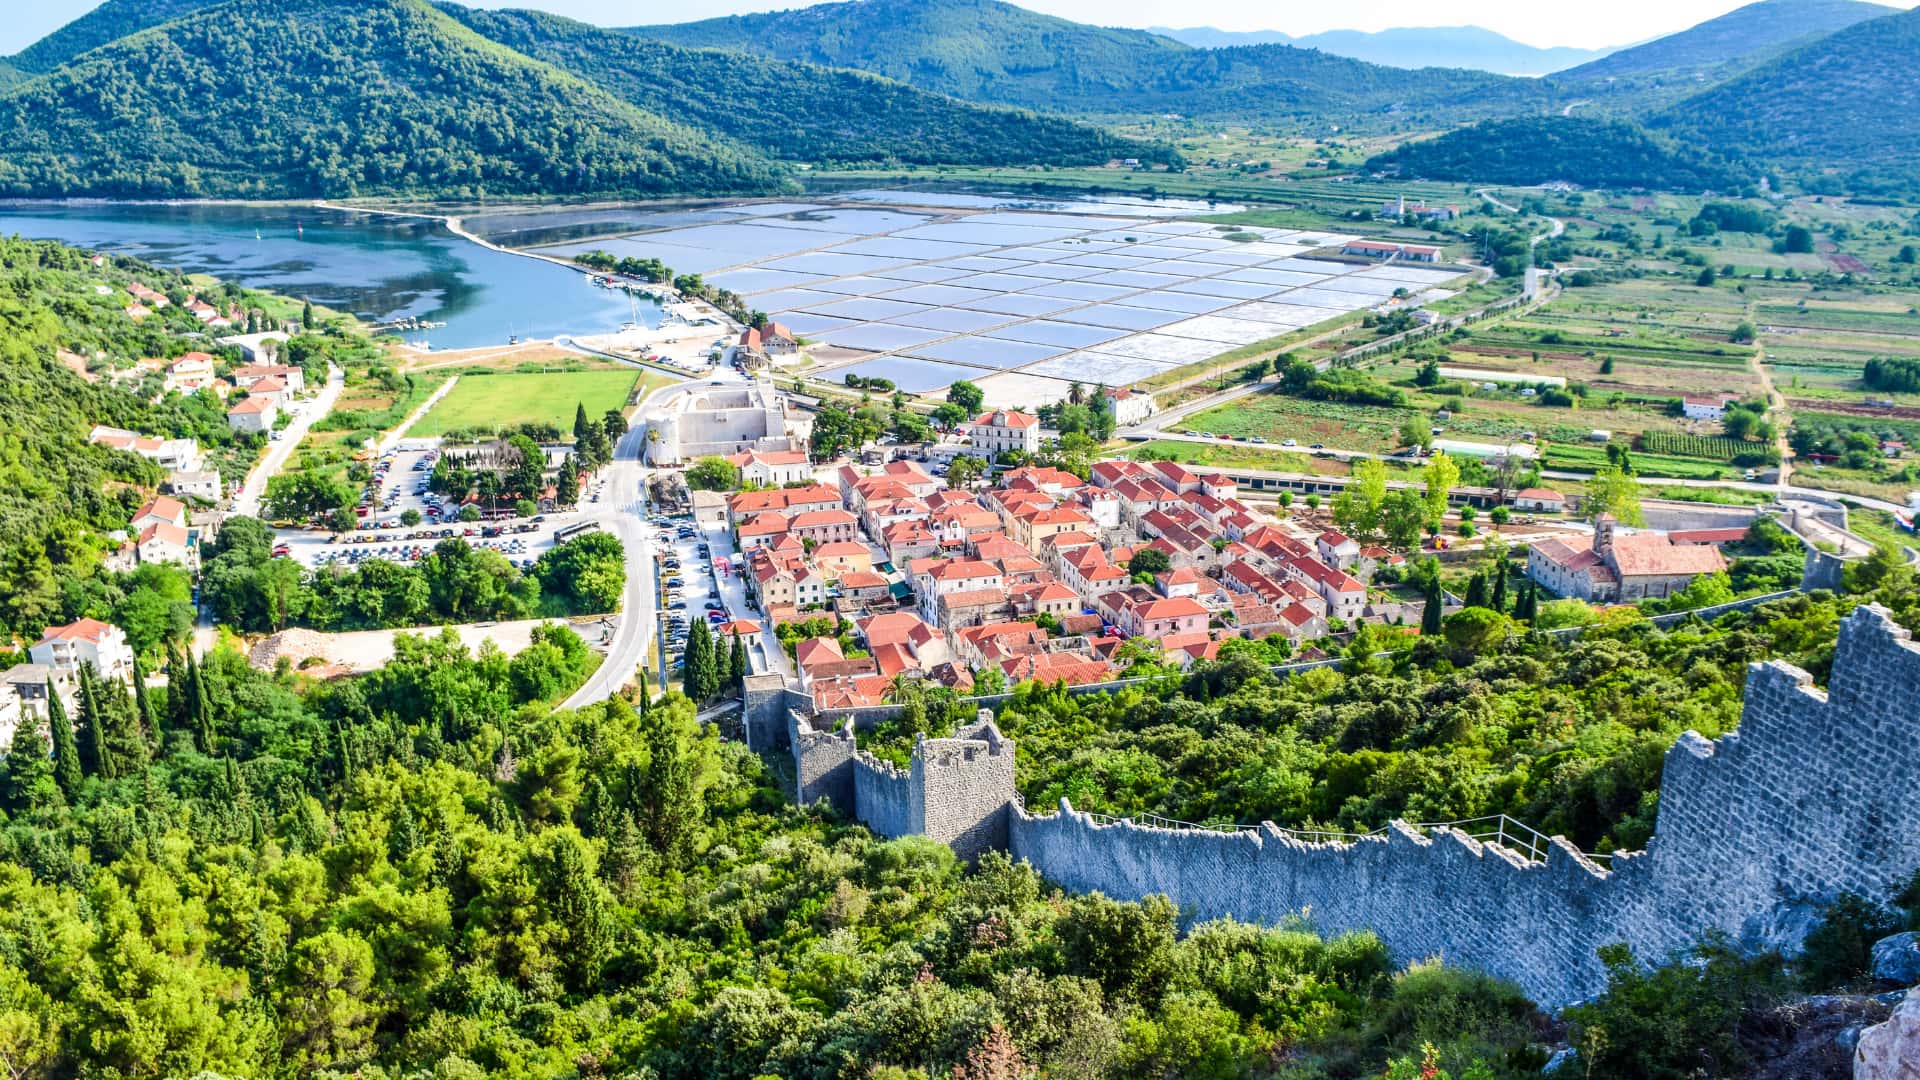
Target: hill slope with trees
[[801, 111], [1738, 40], [986, 50], [1535, 150], [291, 98], [107, 23], [1844, 110]]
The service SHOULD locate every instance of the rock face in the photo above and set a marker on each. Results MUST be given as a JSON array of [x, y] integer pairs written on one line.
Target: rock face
[[1896, 959], [1891, 1051]]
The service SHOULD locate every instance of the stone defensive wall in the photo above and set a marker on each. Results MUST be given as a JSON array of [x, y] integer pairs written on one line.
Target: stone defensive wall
[[1817, 794]]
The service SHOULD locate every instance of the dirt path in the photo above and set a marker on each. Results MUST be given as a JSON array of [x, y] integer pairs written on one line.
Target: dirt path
[[1776, 411]]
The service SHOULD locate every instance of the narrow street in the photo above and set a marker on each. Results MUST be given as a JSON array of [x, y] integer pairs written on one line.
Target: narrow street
[[279, 451]]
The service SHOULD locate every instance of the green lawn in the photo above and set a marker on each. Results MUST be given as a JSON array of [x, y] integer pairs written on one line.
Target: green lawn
[[504, 400]]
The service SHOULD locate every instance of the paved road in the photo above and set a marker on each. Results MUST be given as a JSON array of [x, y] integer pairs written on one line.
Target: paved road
[[622, 492], [247, 502]]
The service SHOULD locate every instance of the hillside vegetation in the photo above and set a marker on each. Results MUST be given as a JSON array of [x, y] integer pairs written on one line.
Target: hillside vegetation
[[288, 98], [60, 494], [801, 111], [109, 22], [985, 50], [1738, 40], [1535, 150], [1846, 109]]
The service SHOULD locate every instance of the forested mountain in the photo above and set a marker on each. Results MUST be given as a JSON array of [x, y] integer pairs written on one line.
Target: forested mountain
[[1733, 42], [10, 74], [1846, 107], [1471, 47], [285, 98], [1589, 152], [982, 50], [109, 22], [986, 50], [800, 111]]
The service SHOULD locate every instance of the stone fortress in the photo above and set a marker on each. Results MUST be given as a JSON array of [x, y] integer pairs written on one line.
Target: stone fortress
[[1817, 794]]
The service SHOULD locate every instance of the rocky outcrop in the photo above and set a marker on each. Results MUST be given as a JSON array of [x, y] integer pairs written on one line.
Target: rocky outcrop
[[1891, 1051], [1896, 959]]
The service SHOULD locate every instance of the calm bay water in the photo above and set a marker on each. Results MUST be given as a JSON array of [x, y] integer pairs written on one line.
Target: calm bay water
[[378, 267]]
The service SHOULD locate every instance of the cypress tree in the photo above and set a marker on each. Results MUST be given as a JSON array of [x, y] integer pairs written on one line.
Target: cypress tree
[[180, 692], [1500, 572], [1527, 607], [66, 754], [1477, 590], [143, 709], [579, 421], [306, 316], [202, 707], [120, 728], [723, 665], [1436, 601], [699, 662], [739, 664], [96, 755], [646, 693], [29, 775]]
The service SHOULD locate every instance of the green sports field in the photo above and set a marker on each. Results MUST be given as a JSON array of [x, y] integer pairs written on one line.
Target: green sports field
[[508, 399]]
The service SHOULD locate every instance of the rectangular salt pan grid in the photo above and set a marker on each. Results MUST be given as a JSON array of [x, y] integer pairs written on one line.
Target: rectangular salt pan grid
[[986, 352], [881, 337], [913, 376], [954, 320], [1068, 335], [1122, 317], [1091, 367]]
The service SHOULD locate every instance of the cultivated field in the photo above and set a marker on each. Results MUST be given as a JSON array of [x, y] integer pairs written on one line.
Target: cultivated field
[[484, 400]]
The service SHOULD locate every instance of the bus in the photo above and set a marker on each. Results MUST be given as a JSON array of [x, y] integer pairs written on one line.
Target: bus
[[561, 536]]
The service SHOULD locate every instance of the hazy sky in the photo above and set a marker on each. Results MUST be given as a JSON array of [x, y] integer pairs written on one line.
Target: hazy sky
[[1530, 21]]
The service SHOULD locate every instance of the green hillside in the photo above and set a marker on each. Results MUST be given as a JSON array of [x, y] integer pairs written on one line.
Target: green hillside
[[801, 111], [985, 50], [109, 22], [1846, 108], [1735, 41], [1534, 150], [10, 74], [289, 98]]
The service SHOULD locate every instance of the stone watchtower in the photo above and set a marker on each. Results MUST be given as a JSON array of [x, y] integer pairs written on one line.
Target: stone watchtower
[[961, 789]]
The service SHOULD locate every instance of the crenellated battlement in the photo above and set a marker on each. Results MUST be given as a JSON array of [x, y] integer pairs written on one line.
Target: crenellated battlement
[[1757, 833]]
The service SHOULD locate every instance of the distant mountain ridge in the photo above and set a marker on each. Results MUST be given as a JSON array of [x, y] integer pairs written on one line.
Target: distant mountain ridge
[[1472, 47], [986, 50], [800, 111], [1736, 41], [106, 23]]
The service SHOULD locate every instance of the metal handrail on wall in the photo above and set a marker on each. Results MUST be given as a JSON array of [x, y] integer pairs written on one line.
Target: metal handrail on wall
[[1498, 829]]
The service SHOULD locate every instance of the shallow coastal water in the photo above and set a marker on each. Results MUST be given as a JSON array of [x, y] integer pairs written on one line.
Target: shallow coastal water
[[380, 268]]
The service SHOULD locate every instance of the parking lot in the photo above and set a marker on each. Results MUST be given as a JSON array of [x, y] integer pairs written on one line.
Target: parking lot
[[688, 586], [400, 484]]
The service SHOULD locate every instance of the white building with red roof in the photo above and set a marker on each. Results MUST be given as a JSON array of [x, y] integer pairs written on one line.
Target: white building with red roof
[[1005, 431], [772, 468], [63, 649]]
